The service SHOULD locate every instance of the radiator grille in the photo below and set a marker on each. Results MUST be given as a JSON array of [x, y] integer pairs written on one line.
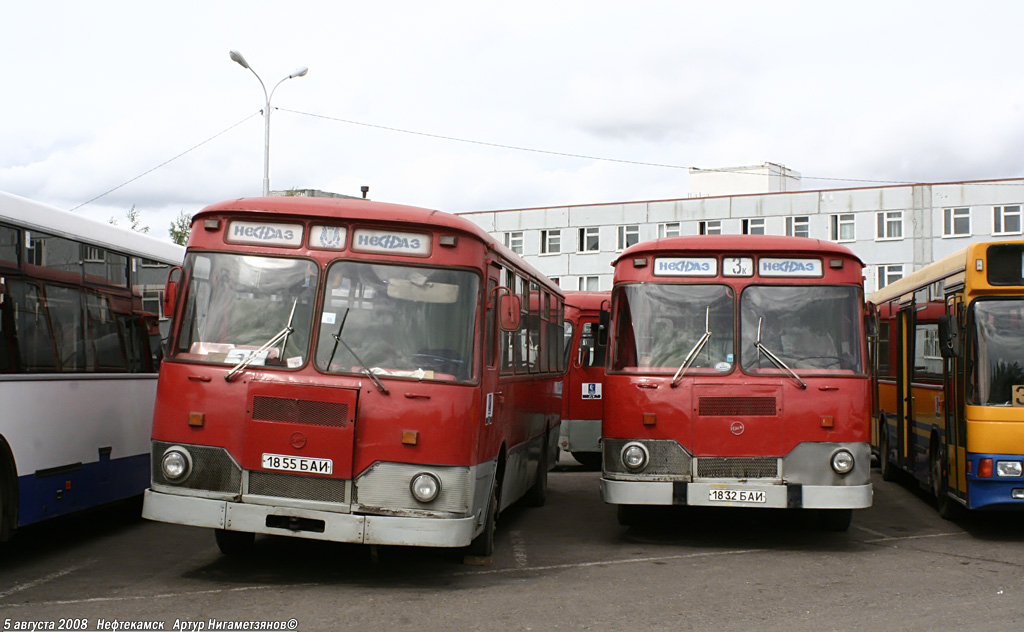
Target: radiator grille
[[667, 458], [728, 406], [299, 411], [213, 469], [737, 467], [294, 486]]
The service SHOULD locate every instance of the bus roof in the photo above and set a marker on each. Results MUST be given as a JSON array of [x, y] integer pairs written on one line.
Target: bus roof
[[367, 211], [586, 300], [32, 215], [753, 244], [944, 267]]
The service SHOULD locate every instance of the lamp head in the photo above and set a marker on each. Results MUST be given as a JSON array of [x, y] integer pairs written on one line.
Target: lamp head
[[238, 59]]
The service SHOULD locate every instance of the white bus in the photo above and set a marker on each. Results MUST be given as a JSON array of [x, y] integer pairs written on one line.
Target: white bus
[[80, 321]]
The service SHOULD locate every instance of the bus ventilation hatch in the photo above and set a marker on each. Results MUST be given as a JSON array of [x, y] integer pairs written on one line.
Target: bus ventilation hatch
[[299, 411], [728, 406]]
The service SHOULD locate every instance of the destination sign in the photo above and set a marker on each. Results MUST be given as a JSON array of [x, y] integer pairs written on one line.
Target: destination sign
[[686, 266], [327, 237], [391, 242], [264, 234], [784, 267]]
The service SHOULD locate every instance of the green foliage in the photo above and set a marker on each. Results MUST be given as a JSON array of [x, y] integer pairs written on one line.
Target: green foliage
[[180, 228]]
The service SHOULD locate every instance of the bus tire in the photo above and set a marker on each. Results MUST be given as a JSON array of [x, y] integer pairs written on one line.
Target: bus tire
[[234, 543], [590, 461], [946, 506], [8, 493], [483, 544], [835, 519], [888, 471], [630, 515], [537, 495]]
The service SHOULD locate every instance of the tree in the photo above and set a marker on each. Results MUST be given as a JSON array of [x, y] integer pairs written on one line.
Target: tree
[[134, 218], [180, 228]]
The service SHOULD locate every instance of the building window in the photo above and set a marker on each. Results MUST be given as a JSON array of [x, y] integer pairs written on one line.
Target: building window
[[628, 235], [889, 225], [556, 281], [668, 229], [93, 254], [589, 239], [550, 242], [956, 222], [1006, 220], [588, 284], [711, 227], [753, 226], [842, 227], [514, 241], [798, 226], [889, 273]]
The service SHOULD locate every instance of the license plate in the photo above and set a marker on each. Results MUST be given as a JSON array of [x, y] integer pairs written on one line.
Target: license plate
[[303, 464], [736, 496]]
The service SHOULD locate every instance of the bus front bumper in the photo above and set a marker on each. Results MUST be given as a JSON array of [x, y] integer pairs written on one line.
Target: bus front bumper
[[618, 492], [307, 523]]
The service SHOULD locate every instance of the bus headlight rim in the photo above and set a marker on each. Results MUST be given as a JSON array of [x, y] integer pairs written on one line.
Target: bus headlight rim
[[634, 456], [842, 461], [176, 464], [425, 487]]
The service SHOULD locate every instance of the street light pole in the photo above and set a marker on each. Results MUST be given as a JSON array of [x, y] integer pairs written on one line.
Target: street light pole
[[301, 72]]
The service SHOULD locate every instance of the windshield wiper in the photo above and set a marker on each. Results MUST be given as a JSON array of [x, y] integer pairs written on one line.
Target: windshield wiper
[[690, 357], [337, 339], [278, 337], [774, 358]]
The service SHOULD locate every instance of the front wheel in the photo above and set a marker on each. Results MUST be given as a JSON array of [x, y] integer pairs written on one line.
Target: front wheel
[[483, 544], [835, 519], [589, 460], [888, 471], [234, 543], [946, 506]]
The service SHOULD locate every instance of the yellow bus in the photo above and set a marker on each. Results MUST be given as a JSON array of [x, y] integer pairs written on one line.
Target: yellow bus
[[949, 377]]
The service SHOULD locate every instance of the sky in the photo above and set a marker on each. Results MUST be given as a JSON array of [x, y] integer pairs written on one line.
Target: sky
[[472, 106]]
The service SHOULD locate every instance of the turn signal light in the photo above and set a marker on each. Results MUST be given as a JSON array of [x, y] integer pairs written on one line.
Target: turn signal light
[[985, 468]]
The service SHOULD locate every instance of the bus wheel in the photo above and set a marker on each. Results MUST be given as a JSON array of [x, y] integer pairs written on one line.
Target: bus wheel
[[234, 543], [537, 495], [946, 506], [589, 460], [630, 515], [483, 544], [835, 519], [888, 471]]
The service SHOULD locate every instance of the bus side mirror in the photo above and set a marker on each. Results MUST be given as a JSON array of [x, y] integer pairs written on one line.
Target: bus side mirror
[[508, 312], [602, 328], [949, 336], [870, 326], [171, 291]]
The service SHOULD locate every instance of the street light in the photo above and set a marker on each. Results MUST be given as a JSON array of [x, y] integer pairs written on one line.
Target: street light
[[301, 72]]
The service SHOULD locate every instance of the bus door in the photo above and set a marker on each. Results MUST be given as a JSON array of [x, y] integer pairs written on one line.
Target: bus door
[[298, 429], [586, 372], [904, 384], [955, 408], [498, 367]]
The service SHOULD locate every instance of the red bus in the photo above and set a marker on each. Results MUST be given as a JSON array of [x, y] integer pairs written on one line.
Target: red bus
[[347, 370], [580, 433], [737, 377]]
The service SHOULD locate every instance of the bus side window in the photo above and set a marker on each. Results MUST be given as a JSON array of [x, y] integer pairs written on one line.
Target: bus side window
[[490, 320]]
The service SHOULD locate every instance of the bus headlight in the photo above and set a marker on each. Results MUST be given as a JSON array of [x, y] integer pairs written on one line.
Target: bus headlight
[[176, 464], [842, 461], [1009, 468], [425, 487], [634, 456]]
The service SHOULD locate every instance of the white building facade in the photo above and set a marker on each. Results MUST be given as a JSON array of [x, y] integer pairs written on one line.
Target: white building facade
[[895, 229]]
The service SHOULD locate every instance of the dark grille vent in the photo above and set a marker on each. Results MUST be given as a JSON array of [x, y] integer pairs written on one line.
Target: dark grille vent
[[727, 406], [212, 469], [295, 486], [737, 467], [299, 411]]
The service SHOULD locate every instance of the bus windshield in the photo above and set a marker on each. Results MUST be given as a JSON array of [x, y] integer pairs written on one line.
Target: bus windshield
[[660, 326], [236, 304], [398, 321], [1000, 349], [809, 327]]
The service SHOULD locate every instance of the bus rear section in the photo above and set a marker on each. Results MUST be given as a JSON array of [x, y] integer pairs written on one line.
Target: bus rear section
[[737, 378], [582, 393], [327, 378]]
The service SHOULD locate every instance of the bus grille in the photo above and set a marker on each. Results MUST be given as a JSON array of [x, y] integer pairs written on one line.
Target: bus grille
[[728, 406], [299, 411], [737, 467], [213, 469], [331, 490]]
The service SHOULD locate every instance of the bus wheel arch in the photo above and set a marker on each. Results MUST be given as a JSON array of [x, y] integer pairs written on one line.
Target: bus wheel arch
[[483, 544], [8, 491], [937, 474], [888, 471]]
